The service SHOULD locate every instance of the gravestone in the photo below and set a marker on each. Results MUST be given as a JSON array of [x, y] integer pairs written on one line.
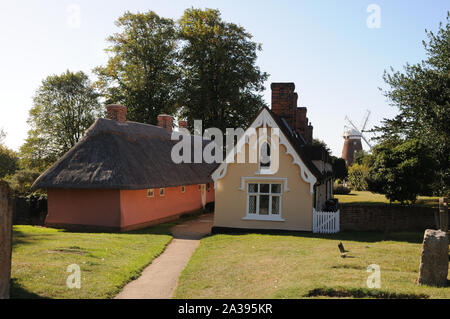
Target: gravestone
[[5, 239], [443, 213], [434, 261]]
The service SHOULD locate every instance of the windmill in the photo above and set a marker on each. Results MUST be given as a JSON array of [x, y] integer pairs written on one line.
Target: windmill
[[352, 136]]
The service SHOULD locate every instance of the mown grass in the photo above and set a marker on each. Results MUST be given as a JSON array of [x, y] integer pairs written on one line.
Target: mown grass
[[305, 266], [107, 260], [368, 198]]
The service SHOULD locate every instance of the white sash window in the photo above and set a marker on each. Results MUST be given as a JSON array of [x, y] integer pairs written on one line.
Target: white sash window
[[264, 201]]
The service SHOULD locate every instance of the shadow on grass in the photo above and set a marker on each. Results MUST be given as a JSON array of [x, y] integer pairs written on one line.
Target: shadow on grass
[[159, 229], [361, 293], [24, 238], [343, 292], [17, 291], [415, 237]]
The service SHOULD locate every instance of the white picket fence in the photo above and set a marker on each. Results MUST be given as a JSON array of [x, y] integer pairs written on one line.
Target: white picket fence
[[325, 222]]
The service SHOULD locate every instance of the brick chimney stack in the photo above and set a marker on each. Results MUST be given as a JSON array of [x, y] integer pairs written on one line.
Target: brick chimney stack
[[284, 104], [165, 121], [116, 112], [284, 101]]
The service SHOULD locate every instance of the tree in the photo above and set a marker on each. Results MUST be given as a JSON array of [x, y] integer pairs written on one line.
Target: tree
[[339, 168], [63, 108], [422, 96], [357, 175], [316, 141], [8, 158], [221, 83], [8, 161], [21, 181], [142, 72], [401, 171]]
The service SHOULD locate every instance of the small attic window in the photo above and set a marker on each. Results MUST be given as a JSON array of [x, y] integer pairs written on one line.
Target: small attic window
[[150, 192], [162, 192], [264, 155], [183, 189]]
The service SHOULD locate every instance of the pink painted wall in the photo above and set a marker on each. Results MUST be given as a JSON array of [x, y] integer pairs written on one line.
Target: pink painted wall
[[98, 207], [138, 208], [120, 208]]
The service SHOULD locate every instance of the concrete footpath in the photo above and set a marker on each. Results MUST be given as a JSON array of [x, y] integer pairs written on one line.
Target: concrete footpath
[[160, 278]]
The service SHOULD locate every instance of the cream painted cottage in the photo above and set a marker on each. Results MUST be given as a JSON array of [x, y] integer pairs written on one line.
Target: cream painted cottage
[[286, 183]]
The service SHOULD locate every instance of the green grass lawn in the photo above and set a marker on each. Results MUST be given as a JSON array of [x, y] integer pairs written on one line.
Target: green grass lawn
[[107, 260], [306, 265], [364, 197]]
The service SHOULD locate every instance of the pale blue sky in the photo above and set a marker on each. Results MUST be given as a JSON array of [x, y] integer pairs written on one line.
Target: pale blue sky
[[324, 47]]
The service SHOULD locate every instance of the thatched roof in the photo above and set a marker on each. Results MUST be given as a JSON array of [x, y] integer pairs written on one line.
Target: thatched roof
[[128, 155]]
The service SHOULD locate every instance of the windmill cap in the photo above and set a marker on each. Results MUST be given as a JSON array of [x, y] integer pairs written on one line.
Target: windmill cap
[[352, 133]]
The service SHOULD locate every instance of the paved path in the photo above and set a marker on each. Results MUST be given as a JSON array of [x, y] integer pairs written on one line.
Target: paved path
[[159, 279]]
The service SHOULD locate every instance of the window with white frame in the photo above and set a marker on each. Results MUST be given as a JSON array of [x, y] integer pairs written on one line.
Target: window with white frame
[[183, 189], [162, 192], [264, 200], [150, 192]]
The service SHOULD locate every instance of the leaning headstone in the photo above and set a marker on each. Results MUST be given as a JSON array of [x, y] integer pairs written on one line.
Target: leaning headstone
[[434, 262], [5, 239]]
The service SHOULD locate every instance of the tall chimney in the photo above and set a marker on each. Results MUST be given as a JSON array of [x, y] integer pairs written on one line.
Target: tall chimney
[[116, 112], [284, 101], [301, 121], [165, 121]]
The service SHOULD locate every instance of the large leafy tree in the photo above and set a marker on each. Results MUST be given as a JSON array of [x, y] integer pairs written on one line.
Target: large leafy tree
[[221, 83], [340, 170], [142, 71], [421, 93], [401, 171], [64, 106]]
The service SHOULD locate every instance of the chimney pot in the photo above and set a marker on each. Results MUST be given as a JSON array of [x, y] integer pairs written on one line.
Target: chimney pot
[[116, 112], [182, 124], [165, 121]]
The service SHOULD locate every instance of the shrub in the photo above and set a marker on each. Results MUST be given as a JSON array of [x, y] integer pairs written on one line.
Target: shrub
[[357, 175], [341, 190], [402, 171]]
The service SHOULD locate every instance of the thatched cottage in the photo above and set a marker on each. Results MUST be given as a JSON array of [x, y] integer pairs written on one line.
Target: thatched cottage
[[121, 176]]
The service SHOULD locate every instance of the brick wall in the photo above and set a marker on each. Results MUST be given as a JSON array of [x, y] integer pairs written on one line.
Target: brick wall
[[386, 218]]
